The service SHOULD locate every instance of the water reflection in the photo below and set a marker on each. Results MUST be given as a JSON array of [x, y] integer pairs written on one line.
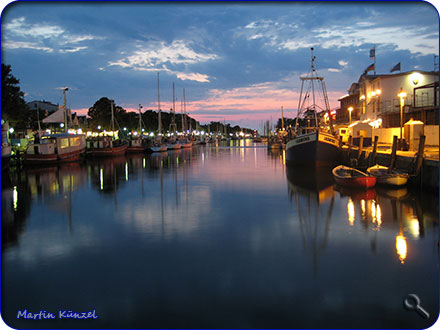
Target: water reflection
[[210, 236], [312, 192], [374, 209]]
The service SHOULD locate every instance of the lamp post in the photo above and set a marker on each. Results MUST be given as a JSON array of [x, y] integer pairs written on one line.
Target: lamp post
[[401, 95], [350, 109]]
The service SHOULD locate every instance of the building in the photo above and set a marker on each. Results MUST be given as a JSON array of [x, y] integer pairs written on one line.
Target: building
[[379, 100], [349, 101], [42, 106]]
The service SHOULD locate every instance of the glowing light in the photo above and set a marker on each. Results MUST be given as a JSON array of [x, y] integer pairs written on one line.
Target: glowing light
[[363, 208], [350, 211], [151, 134], [99, 127], [362, 97], [378, 215], [378, 92], [401, 248], [126, 171], [11, 130], [416, 78], [101, 178], [15, 198], [62, 125], [402, 94]]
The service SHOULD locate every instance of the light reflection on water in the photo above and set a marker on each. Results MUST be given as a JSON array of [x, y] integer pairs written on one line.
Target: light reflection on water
[[216, 236]]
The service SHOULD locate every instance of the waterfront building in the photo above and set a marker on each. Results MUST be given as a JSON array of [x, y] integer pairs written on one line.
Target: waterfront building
[[376, 104]]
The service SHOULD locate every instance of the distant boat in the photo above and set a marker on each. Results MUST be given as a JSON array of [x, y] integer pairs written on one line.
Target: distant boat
[[384, 176], [173, 145], [137, 144], [185, 143], [55, 148], [351, 177], [106, 146], [158, 145], [312, 144]]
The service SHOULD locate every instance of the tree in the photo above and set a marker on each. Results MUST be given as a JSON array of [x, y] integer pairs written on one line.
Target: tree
[[100, 114], [13, 107]]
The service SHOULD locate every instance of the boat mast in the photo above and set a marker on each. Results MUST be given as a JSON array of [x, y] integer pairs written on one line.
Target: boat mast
[[173, 126], [158, 107], [113, 116], [65, 108], [184, 111], [140, 120]]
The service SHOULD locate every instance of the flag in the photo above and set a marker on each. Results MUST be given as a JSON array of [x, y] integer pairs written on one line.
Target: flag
[[370, 68], [396, 67], [372, 53]]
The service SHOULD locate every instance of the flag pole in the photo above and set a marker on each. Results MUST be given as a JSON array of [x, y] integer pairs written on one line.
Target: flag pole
[[374, 59]]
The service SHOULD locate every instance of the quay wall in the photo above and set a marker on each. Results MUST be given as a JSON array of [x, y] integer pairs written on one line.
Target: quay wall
[[431, 133]]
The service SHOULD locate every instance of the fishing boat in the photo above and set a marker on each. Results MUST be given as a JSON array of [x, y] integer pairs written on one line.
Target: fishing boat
[[185, 143], [55, 148], [106, 146], [351, 177], [158, 145], [137, 144], [313, 143], [386, 176]]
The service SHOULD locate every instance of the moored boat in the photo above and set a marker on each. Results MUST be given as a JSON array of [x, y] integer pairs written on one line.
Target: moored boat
[[386, 176], [185, 143], [351, 177], [312, 142], [105, 146], [55, 148], [174, 145]]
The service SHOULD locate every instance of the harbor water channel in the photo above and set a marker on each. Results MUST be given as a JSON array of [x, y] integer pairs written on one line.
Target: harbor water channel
[[217, 236]]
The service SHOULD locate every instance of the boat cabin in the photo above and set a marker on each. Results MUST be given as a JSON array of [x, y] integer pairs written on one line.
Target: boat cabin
[[57, 144]]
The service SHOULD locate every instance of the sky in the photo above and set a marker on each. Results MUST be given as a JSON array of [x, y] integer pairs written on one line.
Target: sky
[[238, 62]]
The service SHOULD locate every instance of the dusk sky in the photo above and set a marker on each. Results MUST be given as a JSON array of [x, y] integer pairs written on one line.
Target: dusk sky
[[238, 62]]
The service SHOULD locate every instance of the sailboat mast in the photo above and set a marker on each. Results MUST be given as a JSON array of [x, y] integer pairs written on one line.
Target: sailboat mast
[[113, 116], [65, 109], [140, 119], [184, 111], [158, 106]]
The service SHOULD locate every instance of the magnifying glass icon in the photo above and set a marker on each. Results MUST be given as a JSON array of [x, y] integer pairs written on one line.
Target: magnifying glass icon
[[412, 302]]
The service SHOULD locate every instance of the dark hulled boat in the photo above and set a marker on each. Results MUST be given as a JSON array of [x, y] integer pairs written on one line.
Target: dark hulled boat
[[312, 144]]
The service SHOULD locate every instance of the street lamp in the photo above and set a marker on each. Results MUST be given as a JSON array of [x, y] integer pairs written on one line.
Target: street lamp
[[350, 109], [401, 95]]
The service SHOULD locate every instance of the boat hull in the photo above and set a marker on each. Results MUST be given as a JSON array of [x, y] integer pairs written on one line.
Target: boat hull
[[135, 149], [174, 146], [187, 145], [108, 152], [384, 177], [73, 156], [313, 149], [357, 180], [159, 149]]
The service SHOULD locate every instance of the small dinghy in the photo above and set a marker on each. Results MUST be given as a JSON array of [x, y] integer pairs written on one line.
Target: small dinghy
[[351, 177], [384, 176]]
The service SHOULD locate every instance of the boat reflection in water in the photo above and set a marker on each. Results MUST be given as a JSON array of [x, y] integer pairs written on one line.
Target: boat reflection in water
[[367, 212], [312, 192]]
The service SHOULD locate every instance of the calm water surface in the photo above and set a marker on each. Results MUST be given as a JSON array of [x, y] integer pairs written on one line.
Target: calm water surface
[[213, 237]]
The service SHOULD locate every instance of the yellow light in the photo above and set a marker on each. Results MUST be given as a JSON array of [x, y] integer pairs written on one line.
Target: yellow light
[[401, 248], [378, 215], [378, 92], [362, 208], [373, 93], [402, 94], [15, 198], [416, 78], [362, 97], [350, 211], [101, 178], [126, 171]]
